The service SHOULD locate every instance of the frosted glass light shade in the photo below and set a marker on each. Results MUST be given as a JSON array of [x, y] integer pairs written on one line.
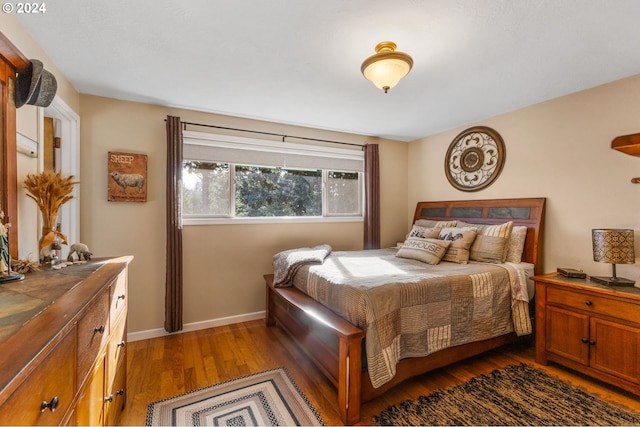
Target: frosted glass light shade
[[386, 67]]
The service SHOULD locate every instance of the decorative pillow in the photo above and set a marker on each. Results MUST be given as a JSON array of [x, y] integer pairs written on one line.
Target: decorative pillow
[[515, 245], [491, 242], [461, 239], [429, 251], [424, 232], [433, 223]]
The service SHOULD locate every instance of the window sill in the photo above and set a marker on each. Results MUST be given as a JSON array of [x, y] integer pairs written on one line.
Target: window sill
[[269, 220]]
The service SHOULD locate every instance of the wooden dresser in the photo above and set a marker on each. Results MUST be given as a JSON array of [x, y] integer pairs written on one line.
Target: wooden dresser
[[63, 345], [591, 328]]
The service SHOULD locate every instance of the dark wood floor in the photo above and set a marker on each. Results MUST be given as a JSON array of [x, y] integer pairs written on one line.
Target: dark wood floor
[[162, 367]]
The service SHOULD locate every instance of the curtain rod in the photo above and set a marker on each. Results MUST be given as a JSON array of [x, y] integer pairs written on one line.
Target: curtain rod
[[271, 134]]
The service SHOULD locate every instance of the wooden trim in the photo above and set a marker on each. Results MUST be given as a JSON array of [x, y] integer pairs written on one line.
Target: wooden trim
[[13, 61], [12, 55], [335, 345]]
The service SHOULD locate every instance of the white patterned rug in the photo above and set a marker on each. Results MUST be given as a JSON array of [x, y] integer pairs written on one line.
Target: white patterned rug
[[269, 398]]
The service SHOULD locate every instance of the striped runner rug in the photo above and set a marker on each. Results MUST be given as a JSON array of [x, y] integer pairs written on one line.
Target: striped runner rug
[[268, 398]]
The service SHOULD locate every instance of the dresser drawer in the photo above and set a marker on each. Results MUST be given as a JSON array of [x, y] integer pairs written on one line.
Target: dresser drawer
[[118, 298], [116, 349], [93, 332], [50, 382], [624, 310]]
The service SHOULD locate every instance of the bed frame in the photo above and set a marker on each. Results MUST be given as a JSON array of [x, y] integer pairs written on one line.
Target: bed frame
[[336, 346]]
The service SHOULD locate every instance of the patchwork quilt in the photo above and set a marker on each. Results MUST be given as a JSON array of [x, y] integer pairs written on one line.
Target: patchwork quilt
[[411, 309]]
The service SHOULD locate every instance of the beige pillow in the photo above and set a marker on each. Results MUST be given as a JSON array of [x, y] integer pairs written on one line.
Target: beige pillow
[[461, 239], [424, 232], [515, 245], [433, 223], [491, 242], [429, 251]]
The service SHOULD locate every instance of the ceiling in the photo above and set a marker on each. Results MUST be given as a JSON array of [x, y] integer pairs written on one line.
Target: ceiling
[[298, 61]]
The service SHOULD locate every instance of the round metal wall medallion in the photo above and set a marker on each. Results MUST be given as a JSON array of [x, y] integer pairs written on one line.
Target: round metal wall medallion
[[475, 158]]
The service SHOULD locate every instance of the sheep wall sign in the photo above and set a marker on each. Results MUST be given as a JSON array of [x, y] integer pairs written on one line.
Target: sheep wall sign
[[127, 177]]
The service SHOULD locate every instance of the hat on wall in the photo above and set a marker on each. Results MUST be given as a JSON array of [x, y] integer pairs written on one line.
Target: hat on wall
[[36, 86]]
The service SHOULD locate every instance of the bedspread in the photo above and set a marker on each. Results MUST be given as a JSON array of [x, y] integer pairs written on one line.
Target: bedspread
[[411, 309]]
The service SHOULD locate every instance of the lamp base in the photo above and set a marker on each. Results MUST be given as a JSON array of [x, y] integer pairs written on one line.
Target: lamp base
[[613, 281], [10, 277]]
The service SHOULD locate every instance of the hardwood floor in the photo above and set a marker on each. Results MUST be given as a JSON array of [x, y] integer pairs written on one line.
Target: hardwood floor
[[162, 367]]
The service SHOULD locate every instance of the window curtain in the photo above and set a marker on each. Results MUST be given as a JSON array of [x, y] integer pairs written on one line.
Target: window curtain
[[372, 197], [173, 282]]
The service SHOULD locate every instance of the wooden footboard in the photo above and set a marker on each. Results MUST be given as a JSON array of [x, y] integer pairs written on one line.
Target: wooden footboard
[[332, 343]]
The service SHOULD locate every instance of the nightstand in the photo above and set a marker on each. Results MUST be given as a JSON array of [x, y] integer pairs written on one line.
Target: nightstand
[[588, 327]]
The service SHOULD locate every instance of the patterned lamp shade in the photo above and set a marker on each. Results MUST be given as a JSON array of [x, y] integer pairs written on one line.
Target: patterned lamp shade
[[614, 246]]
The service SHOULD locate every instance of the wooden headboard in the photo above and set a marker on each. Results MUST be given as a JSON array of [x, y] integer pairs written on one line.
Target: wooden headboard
[[528, 212]]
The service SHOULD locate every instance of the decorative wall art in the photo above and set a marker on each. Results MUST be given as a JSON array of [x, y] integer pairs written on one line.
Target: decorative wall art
[[127, 177], [475, 158]]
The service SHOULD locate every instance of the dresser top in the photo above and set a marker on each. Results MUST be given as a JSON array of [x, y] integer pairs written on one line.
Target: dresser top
[[23, 300]]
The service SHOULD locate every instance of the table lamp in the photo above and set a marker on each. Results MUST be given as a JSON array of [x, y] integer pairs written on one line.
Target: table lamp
[[614, 246]]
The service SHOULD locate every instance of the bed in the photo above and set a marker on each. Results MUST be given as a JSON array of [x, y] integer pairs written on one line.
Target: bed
[[338, 347]]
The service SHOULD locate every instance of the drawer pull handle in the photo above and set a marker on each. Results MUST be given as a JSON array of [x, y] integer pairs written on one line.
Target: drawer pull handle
[[109, 398], [120, 392], [98, 329], [121, 343], [52, 405], [587, 302]]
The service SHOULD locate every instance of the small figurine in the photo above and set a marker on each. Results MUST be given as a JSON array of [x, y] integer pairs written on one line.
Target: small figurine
[[81, 250], [5, 256]]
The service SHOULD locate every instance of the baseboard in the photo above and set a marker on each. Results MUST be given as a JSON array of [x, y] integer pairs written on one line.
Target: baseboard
[[196, 326]]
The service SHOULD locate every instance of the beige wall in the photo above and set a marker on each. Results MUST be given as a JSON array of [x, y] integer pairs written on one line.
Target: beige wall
[[223, 264], [559, 149]]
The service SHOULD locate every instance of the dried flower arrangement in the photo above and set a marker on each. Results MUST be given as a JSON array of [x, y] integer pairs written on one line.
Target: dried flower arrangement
[[24, 265], [50, 190]]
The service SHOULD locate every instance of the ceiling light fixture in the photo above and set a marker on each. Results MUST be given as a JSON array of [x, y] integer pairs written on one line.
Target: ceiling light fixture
[[386, 67]]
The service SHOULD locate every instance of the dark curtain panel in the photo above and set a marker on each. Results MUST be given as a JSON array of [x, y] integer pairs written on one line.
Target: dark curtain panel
[[372, 197], [173, 283]]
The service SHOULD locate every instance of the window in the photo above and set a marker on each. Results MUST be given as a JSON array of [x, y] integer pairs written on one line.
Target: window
[[234, 179]]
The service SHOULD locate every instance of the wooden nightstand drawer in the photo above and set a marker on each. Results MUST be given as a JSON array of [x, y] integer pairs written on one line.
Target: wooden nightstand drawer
[[623, 310]]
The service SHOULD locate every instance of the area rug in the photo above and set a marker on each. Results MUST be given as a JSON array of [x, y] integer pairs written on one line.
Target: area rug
[[269, 398], [516, 395]]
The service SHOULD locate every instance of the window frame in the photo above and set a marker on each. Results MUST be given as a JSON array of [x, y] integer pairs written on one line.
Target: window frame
[[268, 146]]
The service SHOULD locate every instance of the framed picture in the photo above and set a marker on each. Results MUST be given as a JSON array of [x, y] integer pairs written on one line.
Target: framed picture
[[127, 177]]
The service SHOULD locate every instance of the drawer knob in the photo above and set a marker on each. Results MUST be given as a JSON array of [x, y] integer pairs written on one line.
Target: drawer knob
[[52, 405], [120, 392], [585, 340], [587, 302], [121, 296], [109, 398], [592, 342], [121, 343], [98, 329]]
